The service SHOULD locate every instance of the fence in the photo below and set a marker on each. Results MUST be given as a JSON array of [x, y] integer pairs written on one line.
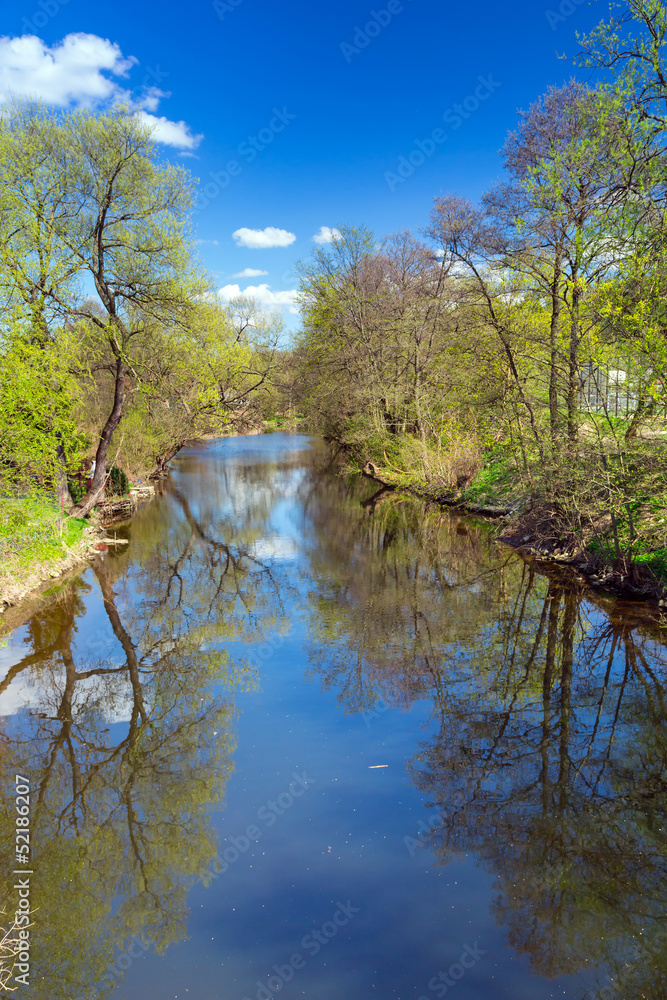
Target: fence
[[607, 390]]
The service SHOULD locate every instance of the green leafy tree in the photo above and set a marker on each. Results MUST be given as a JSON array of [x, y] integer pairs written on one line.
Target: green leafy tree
[[38, 396]]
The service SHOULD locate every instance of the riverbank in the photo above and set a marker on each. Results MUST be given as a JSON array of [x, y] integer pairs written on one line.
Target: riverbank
[[38, 544], [540, 532], [541, 529]]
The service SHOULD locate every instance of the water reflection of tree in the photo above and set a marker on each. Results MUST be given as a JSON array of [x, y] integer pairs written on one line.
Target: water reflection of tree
[[558, 782], [396, 593], [120, 818], [550, 755]]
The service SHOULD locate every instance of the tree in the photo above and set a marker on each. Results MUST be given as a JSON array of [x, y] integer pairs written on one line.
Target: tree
[[342, 350], [37, 270], [632, 44], [380, 357], [132, 237], [87, 204], [545, 236], [38, 396], [467, 238], [200, 376]]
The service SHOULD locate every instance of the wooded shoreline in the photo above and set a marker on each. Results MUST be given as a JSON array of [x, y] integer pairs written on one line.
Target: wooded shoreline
[[26, 578], [24, 582], [523, 531], [519, 527]]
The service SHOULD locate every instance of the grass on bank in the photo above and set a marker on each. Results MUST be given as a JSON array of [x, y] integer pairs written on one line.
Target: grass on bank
[[34, 533], [283, 423], [496, 484], [498, 481], [458, 468], [585, 492], [655, 561]]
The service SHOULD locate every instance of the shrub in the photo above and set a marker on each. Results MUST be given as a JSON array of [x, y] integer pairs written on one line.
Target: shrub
[[118, 485]]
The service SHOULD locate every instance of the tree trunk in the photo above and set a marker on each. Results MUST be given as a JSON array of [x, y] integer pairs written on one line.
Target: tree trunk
[[573, 366], [645, 409], [96, 487], [41, 337], [553, 346], [569, 625], [389, 419], [161, 460], [60, 476]]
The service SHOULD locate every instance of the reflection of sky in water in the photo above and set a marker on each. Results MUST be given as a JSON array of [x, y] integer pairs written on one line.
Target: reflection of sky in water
[[115, 705], [351, 835], [236, 461], [276, 548], [344, 839], [94, 644]]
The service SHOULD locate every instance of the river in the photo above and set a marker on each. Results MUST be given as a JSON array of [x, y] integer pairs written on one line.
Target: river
[[302, 737]]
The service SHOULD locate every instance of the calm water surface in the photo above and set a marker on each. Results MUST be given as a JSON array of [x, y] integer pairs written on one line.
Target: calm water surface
[[302, 739]]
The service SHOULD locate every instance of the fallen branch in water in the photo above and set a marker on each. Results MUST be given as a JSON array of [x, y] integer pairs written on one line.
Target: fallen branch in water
[[445, 499]]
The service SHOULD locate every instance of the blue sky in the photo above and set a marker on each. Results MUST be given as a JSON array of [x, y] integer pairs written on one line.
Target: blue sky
[[296, 116]]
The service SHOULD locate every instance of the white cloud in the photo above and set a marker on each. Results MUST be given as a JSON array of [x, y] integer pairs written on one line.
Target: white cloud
[[213, 243], [69, 72], [150, 100], [264, 296], [82, 71], [111, 695], [250, 272], [277, 547], [176, 134], [326, 235], [262, 239]]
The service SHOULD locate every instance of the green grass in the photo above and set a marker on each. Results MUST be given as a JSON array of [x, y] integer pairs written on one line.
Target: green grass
[[656, 562], [33, 532], [494, 483], [620, 424]]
